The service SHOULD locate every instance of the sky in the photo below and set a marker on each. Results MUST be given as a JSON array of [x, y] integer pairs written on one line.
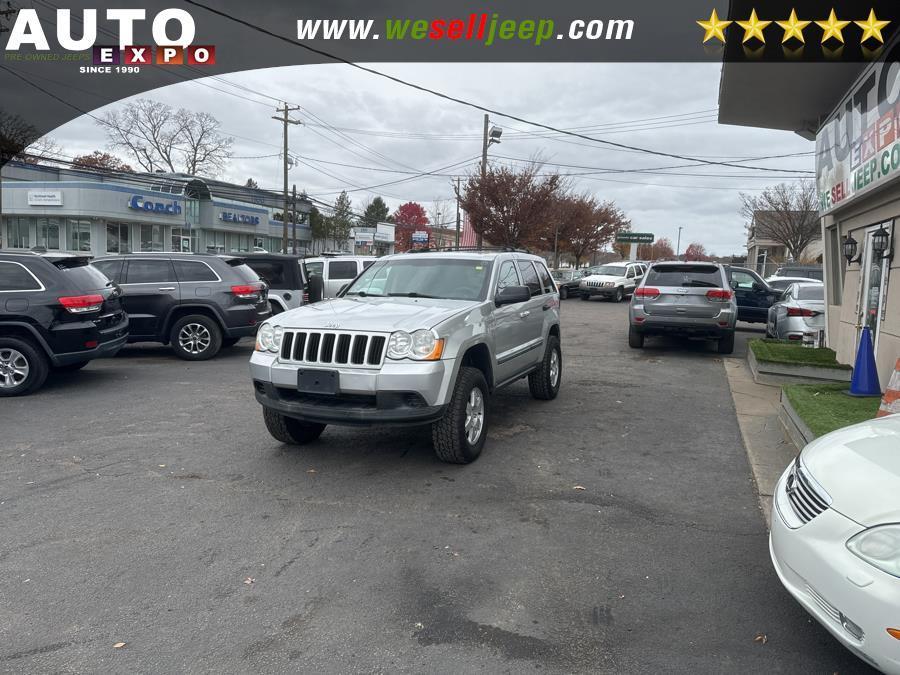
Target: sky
[[389, 132]]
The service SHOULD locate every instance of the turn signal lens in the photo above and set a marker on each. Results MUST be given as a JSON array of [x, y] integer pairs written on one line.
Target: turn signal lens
[[894, 633], [79, 304]]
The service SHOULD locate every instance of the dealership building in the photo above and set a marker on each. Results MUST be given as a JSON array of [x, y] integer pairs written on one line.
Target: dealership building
[[100, 213], [852, 110]]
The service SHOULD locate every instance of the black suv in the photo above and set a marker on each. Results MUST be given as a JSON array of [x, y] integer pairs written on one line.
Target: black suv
[[56, 312], [196, 302], [754, 296]]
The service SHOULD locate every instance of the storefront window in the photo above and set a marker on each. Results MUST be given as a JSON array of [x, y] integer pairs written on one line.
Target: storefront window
[[117, 239], [151, 238], [259, 242], [184, 239], [48, 233], [238, 243], [215, 241], [79, 234], [17, 232]]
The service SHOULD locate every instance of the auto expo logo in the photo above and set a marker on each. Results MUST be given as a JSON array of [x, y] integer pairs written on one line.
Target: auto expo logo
[[173, 32], [138, 203]]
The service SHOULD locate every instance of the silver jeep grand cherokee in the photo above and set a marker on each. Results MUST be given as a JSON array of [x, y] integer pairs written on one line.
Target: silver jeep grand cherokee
[[417, 338]]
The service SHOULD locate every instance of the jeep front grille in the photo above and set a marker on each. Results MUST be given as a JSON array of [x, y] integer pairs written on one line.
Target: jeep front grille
[[362, 350]]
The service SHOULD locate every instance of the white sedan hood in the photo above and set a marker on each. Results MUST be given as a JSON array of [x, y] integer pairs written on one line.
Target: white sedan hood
[[859, 466]]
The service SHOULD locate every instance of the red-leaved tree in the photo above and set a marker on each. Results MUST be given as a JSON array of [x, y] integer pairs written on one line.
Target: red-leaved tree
[[408, 218], [696, 252], [102, 161], [658, 250]]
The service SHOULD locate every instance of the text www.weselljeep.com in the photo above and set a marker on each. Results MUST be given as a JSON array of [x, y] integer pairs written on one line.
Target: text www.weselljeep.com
[[486, 28]]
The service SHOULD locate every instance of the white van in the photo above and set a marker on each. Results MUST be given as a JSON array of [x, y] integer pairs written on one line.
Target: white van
[[337, 271]]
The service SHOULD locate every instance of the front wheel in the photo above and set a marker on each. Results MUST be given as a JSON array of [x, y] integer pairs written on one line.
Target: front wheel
[[23, 367], [620, 294], [196, 338], [291, 431], [563, 292], [459, 436], [544, 382]]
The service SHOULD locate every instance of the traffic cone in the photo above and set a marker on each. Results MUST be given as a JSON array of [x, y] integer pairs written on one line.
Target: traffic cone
[[865, 374], [890, 402]]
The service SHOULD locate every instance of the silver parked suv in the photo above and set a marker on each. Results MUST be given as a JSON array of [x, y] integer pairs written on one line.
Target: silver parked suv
[[680, 298], [417, 338]]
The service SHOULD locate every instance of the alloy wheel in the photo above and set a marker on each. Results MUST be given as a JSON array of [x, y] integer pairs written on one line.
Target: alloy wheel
[[474, 415], [14, 368], [194, 338], [554, 368]]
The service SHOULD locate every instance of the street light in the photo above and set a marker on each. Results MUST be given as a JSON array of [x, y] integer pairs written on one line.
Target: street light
[[494, 135]]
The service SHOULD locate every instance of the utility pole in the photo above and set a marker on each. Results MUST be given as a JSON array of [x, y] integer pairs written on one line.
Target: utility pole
[[285, 120], [484, 147], [294, 218], [556, 246], [457, 212], [678, 245]]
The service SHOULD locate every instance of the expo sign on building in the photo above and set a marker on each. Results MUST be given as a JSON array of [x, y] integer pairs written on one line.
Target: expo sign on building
[[858, 147]]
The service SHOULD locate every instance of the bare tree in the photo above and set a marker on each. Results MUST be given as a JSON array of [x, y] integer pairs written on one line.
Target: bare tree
[[511, 208], [786, 213], [15, 135], [159, 137]]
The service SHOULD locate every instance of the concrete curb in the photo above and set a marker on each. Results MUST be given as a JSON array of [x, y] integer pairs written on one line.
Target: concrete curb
[[767, 372], [794, 426]]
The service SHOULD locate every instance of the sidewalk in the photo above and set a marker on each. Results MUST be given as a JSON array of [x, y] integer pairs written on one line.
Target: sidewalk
[[768, 448]]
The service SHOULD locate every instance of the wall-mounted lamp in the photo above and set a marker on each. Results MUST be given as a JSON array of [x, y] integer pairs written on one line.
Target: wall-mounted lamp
[[882, 244], [849, 247]]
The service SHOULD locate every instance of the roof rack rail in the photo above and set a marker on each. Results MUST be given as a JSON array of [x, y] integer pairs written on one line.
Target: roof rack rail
[[472, 249]]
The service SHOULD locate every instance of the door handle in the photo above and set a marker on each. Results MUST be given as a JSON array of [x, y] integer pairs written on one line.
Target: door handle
[[166, 288], [524, 314]]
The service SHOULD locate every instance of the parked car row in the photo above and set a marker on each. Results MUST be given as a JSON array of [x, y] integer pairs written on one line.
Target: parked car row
[[61, 310]]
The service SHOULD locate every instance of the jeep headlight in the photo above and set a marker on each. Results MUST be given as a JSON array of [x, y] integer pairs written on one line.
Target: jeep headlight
[[420, 345], [879, 546], [268, 339]]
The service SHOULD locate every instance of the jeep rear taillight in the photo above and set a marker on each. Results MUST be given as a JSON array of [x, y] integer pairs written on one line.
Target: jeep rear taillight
[[79, 304], [719, 295], [647, 292], [247, 291]]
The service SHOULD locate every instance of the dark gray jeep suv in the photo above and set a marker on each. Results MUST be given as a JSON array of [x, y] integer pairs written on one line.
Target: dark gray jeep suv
[[196, 302]]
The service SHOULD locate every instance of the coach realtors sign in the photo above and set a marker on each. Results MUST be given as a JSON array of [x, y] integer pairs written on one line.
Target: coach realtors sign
[[858, 148], [634, 238]]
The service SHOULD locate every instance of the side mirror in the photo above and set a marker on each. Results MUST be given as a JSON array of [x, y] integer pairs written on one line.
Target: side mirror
[[512, 295], [758, 287]]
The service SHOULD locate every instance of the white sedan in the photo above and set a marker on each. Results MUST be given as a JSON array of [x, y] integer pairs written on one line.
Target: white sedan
[[835, 539]]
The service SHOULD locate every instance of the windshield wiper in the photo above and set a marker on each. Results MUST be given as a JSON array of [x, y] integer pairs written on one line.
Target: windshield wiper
[[412, 294], [364, 294]]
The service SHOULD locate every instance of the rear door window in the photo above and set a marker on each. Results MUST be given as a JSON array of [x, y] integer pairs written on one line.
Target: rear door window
[[15, 277], [188, 270], [530, 277], [342, 269], [149, 272], [684, 276], [545, 278]]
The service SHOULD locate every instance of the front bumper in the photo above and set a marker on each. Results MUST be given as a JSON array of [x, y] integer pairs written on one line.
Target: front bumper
[[605, 291], [399, 392], [833, 585]]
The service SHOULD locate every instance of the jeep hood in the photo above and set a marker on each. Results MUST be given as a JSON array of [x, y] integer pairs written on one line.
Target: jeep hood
[[859, 466], [603, 277], [373, 314]]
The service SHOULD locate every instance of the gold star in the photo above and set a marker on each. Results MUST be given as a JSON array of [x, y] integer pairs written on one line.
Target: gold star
[[793, 27], [832, 27], [714, 27], [753, 27], [872, 27]]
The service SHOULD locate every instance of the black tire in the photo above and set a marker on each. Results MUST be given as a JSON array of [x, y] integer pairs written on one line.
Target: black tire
[[726, 344], [23, 367], [448, 434], [71, 367], [635, 338], [541, 382], [620, 294], [563, 293], [585, 296], [291, 431], [230, 342], [275, 307], [315, 288], [202, 339]]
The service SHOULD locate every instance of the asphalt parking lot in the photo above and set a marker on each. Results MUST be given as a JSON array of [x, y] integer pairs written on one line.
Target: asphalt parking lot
[[142, 495]]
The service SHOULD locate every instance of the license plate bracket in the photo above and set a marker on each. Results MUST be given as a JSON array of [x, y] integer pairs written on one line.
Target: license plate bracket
[[318, 381]]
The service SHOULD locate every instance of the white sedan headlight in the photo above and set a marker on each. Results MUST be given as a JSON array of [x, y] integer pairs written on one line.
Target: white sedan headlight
[[268, 339], [879, 546], [421, 345]]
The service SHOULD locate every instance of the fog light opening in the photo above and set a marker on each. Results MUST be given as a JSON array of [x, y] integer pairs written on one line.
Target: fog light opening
[[852, 628]]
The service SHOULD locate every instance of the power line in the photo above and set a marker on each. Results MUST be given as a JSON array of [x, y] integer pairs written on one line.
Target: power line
[[461, 101]]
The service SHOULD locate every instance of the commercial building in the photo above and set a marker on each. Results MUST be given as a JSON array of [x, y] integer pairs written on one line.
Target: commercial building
[[101, 213], [852, 110], [766, 255], [377, 240]]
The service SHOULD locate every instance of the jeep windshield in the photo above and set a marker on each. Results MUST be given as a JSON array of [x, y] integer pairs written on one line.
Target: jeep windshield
[[424, 277], [609, 270]]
